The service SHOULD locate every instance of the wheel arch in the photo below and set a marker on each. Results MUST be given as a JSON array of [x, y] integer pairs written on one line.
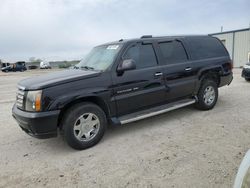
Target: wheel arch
[[212, 73], [91, 99]]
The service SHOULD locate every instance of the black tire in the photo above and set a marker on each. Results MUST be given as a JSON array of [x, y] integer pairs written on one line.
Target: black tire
[[201, 104], [247, 79], [72, 116]]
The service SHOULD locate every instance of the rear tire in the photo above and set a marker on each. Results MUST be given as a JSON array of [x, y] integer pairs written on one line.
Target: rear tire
[[84, 125], [207, 95]]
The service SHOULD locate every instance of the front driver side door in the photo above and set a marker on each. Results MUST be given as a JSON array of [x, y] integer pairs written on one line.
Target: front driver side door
[[142, 87]]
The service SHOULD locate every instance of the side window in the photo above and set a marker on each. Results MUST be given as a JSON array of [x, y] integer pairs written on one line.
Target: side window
[[143, 55], [147, 56], [206, 47], [173, 52], [133, 53]]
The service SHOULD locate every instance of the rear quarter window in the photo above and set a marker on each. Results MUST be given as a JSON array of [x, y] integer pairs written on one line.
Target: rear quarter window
[[206, 47]]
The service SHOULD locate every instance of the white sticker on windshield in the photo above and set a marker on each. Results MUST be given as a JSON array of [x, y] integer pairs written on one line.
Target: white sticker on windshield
[[112, 47]]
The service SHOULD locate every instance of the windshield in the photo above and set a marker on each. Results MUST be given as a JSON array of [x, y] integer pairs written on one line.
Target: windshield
[[100, 57]]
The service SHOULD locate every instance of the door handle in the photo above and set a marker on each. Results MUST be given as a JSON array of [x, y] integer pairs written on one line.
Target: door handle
[[158, 74], [188, 69]]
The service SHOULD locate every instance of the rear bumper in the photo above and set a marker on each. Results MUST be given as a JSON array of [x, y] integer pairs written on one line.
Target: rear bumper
[[37, 124], [226, 79], [245, 73]]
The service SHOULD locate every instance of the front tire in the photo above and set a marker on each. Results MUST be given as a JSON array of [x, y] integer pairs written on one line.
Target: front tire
[[207, 95], [84, 125]]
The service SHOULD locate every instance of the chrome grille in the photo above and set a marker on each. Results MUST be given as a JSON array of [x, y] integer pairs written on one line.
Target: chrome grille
[[20, 98]]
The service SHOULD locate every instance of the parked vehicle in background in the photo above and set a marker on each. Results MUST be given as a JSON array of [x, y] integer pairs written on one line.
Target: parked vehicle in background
[[122, 82], [246, 72], [5, 65], [18, 66], [45, 65], [32, 67]]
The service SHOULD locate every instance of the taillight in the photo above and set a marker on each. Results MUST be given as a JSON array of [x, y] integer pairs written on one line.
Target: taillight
[[228, 66], [231, 65]]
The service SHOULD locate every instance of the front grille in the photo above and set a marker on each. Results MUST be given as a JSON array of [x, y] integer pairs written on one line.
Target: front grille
[[20, 98]]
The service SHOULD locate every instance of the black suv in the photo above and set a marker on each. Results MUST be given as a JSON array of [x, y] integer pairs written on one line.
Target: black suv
[[122, 82]]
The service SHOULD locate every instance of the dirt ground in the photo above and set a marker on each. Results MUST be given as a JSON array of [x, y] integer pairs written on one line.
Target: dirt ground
[[182, 148]]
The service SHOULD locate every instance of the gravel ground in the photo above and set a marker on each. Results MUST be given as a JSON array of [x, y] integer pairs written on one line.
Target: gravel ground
[[182, 148]]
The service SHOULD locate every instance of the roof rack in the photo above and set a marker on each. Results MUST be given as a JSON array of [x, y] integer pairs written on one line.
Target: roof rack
[[146, 36]]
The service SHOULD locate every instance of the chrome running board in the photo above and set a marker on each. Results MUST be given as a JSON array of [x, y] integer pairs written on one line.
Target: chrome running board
[[155, 111]]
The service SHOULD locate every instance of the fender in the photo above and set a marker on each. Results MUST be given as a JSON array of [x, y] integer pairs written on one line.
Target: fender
[[202, 73], [99, 93]]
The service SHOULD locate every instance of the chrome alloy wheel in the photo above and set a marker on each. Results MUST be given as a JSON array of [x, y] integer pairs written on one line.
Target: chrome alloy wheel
[[86, 127], [209, 95]]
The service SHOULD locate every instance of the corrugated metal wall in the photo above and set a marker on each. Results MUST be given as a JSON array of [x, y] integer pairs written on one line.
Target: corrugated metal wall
[[237, 44], [241, 47], [228, 38]]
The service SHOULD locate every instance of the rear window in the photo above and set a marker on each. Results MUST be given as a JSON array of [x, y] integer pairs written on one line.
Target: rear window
[[206, 47], [173, 52]]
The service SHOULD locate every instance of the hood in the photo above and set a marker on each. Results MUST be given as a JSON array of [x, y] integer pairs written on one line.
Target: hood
[[52, 79]]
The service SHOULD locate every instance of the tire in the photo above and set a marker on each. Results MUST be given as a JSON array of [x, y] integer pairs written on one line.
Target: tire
[[84, 125], [247, 79], [207, 95]]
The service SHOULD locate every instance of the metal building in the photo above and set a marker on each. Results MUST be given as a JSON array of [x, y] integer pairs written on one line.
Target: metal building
[[237, 43]]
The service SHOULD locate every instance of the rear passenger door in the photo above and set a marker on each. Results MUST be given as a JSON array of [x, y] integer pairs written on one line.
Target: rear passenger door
[[179, 74], [142, 87]]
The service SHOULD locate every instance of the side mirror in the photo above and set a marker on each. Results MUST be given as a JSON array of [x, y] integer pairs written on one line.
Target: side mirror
[[128, 64]]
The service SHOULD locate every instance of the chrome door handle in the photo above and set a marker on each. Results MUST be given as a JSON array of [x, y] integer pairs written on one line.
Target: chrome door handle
[[188, 69], [158, 74]]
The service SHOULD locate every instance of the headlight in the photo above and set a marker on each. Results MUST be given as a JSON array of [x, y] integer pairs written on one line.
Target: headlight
[[246, 66], [33, 101]]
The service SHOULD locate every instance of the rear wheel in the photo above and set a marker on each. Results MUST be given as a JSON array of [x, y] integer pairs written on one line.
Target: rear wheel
[[84, 125], [207, 95]]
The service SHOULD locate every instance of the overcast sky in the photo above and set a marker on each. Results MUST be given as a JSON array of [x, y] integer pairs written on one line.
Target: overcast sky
[[64, 29]]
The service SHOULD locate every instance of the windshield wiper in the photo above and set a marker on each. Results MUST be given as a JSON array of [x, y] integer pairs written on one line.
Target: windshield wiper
[[75, 67], [87, 67]]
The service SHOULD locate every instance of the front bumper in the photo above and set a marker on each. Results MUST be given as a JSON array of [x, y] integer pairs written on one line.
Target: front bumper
[[245, 73], [226, 79], [37, 124]]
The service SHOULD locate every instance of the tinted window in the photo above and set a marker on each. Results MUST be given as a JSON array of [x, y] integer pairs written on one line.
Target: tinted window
[[206, 47], [143, 55], [147, 56], [173, 52], [133, 53]]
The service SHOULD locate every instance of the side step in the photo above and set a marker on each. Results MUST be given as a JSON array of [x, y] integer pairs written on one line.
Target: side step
[[155, 111]]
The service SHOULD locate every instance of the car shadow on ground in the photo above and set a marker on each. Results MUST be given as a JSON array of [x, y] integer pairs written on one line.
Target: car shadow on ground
[[114, 131]]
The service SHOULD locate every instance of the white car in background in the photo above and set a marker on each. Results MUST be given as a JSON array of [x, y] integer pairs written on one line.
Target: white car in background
[[242, 179], [45, 65]]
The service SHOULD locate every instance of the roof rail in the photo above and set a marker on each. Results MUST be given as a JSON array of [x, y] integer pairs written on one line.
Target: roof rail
[[146, 36]]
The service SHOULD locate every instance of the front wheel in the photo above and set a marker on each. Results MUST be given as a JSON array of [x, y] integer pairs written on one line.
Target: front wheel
[[207, 95], [84, 125]]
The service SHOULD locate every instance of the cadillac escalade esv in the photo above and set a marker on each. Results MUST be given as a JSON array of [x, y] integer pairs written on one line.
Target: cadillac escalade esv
[[121, 82]]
